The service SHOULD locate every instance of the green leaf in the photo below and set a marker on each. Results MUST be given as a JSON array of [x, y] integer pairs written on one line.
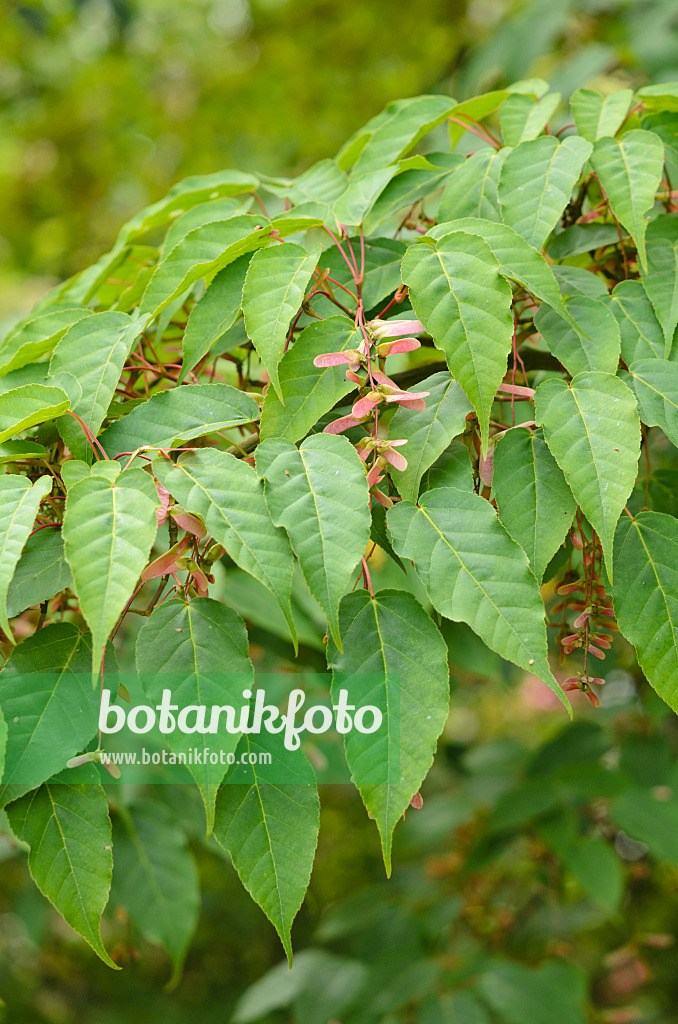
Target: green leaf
[[19, 505], [475, 573], [203, 252], [319, 494], [379, 534], [641, 333], [595, 115], [69, 834], [661, 96], [536, 182], [362, 192], [272, 294], [155, 878], [49, 705], [407, 187], [593, 431], [646, 596], [430, 431], [199, 650], [518, 260], [109, 529], [322, 183], [390, 637], [226, 492], [475, 109], [401, 125], [661, 281], [29, 405], [655, 383], [94, 351], [271, 830], [214, 314], [37, 336], [472, 190], [41, 572], [308, 392], [524, 117], [204, 213], [15, 451], [534, 502], [459, 294], [580, 238], [452, 469], [596, 867], [595, 345], [649, 819], [630, 170], [181, 413], [553, 993]]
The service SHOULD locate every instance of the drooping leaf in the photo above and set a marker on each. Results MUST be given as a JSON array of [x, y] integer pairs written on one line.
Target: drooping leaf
[[204, 213], [68, 831], [472, 190], [646, 596], [179, 414], [452, 469], [641, 333], [155, 877], [15, 451], [661, 281], [41, 572], [319, 494], [553, 993], [379, 533], [226, 492], [308, 392], [361, 193], [94, 351], [596, 115], [199, 651], [270, 828], [655, 383], [274, 289], [35, 337], [429, 432], [394, 655], [630, 170], [214, 314], [475, 573], [26, 406], [410, 185], [535, 504], [595, 345], [49, 705], [593, 431], [660, 96], [19, 505], [536, 182], [524, 117], [109, 529], [203, 252], [400, 126], [459, 294], [580, 238]]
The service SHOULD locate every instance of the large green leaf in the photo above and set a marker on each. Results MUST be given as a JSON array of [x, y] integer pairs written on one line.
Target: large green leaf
[[630, 170], [216, 312], [655, 383], [319, 494], [19, 504], [596, 115], [475, 573], [362, 192], [41, 572], [26, 406], [155, 877], [204, 213], [179, 414], [459, 294], [49, 705], [646, 596], [430, 431], [308, 392], [661, 281], [523, 117], [648, 817], [226, 492], [534, 502], [37, 336], [641, 333], [199, 651], [398, 128], [410, 185], [68, 832], [472, 190], [594, 345], [271, 829], [109, 529], [273, 292], [553, 993], [536, 183], [94, 351], [593, 431], [392, 640], [203, 252]]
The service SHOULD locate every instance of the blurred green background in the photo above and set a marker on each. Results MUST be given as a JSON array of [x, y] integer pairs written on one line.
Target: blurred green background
[[514, 864]]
